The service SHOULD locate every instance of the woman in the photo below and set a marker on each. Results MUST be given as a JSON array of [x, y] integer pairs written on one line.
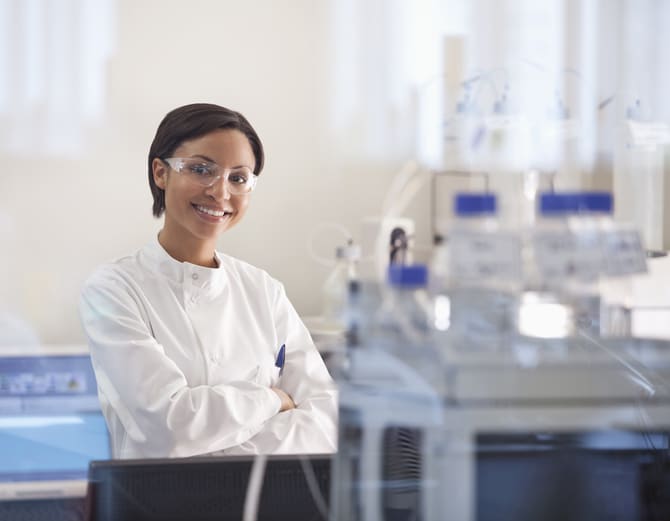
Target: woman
[[196, 352]]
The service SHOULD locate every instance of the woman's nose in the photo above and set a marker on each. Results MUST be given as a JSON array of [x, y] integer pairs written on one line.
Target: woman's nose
[[219, 190]]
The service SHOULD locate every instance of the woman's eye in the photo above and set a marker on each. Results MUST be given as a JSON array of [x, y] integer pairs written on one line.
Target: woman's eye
[[238, 178], [201, 170]]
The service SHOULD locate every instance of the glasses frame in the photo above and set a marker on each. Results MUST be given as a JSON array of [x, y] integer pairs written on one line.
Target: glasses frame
[[222, 173]]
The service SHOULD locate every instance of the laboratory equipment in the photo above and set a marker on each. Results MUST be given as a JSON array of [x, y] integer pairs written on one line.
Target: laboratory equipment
[[639, 176], [539, 395], [616, 254], [556, 271], [336, 287], [390, 412], [476, 273], [554, 392], [574, 254], [518, 410], [546, 405]]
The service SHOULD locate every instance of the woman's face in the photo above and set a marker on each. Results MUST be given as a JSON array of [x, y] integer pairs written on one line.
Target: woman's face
[[187, 202]]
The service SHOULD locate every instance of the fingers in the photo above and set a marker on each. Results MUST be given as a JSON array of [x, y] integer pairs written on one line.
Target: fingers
[[286, 401]]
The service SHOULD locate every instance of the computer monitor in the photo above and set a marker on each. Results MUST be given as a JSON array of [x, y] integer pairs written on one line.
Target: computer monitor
[[608, 475], [51, 425], [204, 489]]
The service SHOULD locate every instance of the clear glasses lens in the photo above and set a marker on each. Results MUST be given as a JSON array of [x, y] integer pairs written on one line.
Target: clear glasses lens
[[238, 180]]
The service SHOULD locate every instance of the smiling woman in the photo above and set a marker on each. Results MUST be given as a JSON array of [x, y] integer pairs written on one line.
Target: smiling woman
[[199, 203], [196, 352]]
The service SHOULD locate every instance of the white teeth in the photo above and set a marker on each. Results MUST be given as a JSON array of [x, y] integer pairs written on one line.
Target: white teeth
[[215, 213]]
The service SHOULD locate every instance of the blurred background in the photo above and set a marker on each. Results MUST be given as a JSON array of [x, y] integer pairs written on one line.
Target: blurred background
[[342, 92]]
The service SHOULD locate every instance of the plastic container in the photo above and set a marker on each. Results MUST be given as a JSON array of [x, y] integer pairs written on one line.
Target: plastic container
[[545, 307], [475, 295], [402, 323], [623, 256]]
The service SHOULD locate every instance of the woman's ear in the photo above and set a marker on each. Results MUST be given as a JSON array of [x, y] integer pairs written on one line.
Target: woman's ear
[[159, 170]]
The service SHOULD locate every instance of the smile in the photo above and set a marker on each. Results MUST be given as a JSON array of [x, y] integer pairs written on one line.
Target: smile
[[215, 213], [210, 214]]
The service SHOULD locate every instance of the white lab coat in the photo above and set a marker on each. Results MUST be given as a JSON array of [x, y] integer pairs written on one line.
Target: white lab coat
[[185, 355]]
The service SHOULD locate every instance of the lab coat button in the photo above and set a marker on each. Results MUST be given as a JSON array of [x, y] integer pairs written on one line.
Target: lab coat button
[[194, 276]]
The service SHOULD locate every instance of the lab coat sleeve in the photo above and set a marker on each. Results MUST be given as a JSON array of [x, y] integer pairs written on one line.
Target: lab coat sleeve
[[150, 394], [312, 426]]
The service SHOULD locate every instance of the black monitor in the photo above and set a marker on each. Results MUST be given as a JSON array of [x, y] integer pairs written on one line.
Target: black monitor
[[204, 489], [602, 475]]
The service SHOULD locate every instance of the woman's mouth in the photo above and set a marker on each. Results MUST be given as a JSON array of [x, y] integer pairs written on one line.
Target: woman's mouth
[[210, 214]]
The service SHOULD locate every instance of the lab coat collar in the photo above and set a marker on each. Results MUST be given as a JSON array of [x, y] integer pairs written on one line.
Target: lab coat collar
[[211, 280]]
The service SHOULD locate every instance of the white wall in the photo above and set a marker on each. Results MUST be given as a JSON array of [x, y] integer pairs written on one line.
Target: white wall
[[61, 217]]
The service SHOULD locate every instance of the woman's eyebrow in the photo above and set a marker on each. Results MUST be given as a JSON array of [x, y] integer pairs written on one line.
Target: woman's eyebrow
[[206, 158]]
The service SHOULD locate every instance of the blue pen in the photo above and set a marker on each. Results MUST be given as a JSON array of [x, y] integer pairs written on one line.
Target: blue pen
[[280, 359]]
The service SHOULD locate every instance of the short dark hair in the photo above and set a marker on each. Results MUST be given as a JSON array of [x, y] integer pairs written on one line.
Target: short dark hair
[[191, 122]]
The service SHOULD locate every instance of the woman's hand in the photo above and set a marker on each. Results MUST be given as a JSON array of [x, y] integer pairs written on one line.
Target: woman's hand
[[286, 401]]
